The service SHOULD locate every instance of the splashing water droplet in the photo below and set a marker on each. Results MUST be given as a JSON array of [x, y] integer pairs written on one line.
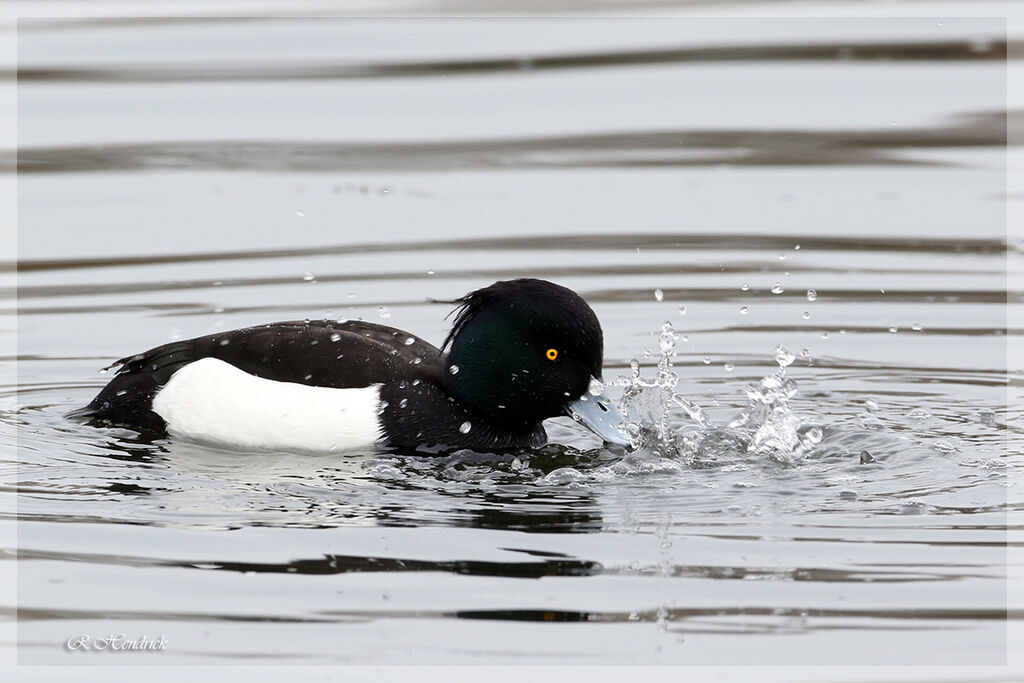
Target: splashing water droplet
[[403, 403], [453, 369], [300, 213], [224, 342], [806, 315], [596, 387], [430, 272], [811, 295], [659, 295], [824, 335], [728, 367], [744, 287], [309, 277], [667, 339], [707, 360], [409, 341], [104, 371], [894, 330], [384, 312], [744, 310], [777, 289], [682, 309], [465, 427], [782, 257], [335, 337], [783, 357], [916, 327]]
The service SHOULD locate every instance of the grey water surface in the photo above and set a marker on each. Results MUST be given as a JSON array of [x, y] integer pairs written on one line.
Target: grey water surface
[[837, 187]]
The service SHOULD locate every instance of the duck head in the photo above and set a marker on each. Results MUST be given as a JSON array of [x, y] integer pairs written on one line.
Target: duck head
[[522, 351]]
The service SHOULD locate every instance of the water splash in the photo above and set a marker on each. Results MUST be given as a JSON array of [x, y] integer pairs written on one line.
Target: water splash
[[767, 428]]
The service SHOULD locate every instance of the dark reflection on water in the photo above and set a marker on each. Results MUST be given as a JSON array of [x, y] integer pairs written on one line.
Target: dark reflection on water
[[643, 148], [677, 241], [681, 615], [344, 564], [993, 49]]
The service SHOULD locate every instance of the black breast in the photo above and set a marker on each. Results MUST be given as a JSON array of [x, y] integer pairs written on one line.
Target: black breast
[[419, 415]]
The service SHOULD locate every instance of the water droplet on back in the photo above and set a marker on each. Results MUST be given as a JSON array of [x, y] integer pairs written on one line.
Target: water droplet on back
[[453, 369], [465, 427]]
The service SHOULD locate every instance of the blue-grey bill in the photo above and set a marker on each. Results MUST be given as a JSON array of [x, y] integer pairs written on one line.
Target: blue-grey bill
[[601, 416]]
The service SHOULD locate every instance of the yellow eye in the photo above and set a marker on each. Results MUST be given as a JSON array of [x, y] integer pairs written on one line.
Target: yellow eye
[[552, 354]]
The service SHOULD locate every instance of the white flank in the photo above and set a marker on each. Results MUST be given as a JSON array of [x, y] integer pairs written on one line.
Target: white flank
[[211, 400]]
